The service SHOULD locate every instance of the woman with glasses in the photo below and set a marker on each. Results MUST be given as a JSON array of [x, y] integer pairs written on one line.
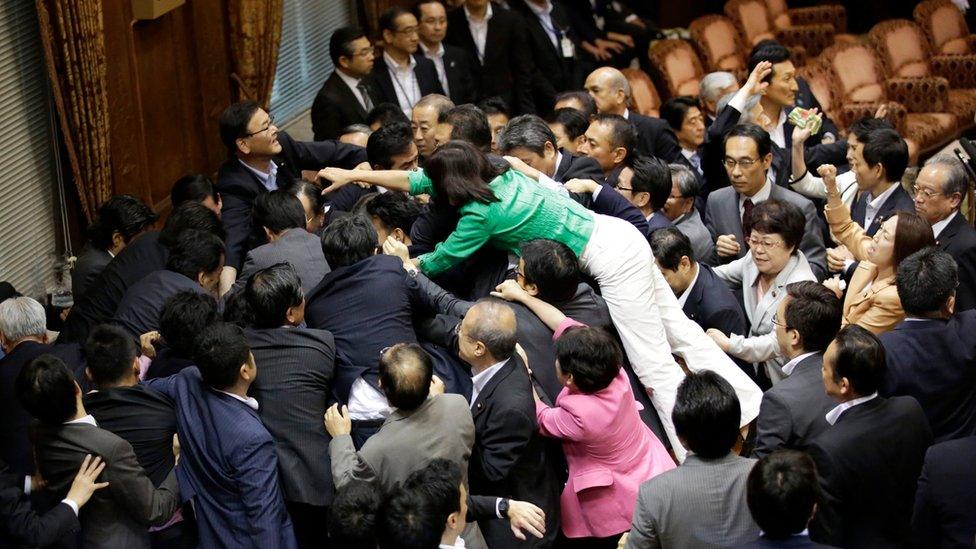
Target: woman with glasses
[[773, 261], [872, 300]]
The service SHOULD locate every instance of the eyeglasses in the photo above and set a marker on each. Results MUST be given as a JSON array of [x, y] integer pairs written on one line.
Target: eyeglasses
[[621, 188], [519, 273], [262, 130], [744, 163], [926, 193], [766, 244], [776, 322]]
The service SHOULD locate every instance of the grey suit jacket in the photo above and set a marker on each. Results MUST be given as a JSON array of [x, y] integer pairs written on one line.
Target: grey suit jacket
[[722, 217], [117, 516], [440, 428], [701, 240], [701, 504], [792, 412], [298, 247]]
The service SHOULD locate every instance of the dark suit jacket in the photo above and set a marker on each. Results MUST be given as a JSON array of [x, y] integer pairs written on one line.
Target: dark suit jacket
[[806, 100], [655, 137], [462, 80], [20, 524], [15, 446], [117, 516], [868, 463], [228, 466], [335, 107], [294, 387], [898, 200], [90, 263], [945, 504], [959, 239], [792, 542], [238, 186], [143, 418], [572, 166], [139, 310], [711, 304], [658, 221], [298, 247], [792, 412], [167, 363], [505, 71], [140, 257], [935, 362], [425, 72], [509, 456], [556, 72]]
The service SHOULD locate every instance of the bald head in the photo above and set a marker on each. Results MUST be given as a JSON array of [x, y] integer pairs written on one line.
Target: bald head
[[491, 324], [405, 374], [609, 89]]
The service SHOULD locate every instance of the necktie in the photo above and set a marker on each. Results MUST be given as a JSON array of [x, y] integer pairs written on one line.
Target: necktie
[[695, 162], [363, 91], [747, 217]]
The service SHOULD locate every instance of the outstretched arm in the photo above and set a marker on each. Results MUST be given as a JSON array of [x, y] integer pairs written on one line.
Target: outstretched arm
[[549, 315], [394, 180]]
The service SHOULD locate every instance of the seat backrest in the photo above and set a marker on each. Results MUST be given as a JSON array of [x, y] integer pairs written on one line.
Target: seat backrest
[[856, 70], [945, 26], [902, 47], [677, 63], [821, 84], [643, 95], [752, 19], [779, 13], [719, 43]]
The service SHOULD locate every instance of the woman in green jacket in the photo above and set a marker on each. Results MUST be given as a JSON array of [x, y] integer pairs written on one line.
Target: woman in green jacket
[[508, 208]]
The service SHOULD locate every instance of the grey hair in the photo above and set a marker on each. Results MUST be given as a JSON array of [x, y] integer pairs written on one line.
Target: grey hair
[[958, 180], [22, 317], [746, 115], [526, 131], [685, 179], [491, 329], [440, 103], [713, 83], [356, 128]]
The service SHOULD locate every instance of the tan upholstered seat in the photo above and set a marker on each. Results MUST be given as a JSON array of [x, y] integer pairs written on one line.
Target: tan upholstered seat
[[719, 44], [945, 27], [643, 95], [755, 22], [678, 66]]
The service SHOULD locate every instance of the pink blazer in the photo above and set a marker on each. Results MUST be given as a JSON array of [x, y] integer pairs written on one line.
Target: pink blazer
[[610, 452]]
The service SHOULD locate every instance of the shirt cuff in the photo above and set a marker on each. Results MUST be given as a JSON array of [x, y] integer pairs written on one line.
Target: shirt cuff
[[738, 102], [72, 504], [550, 183], [596, 193], [847, 264], [498, 510], [28, 485]]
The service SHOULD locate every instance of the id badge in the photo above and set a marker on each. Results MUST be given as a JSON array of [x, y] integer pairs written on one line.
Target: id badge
[[567, 46]]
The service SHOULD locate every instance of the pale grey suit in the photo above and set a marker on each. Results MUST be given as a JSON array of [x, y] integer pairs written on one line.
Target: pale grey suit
[[701, 504], [300, 248], [794, 411], [701, 240]]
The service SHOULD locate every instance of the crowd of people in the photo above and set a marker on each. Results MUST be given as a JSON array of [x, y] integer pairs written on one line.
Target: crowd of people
[[492, 306]]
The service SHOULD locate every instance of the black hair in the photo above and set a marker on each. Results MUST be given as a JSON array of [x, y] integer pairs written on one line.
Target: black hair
[[192, 187], [860, 358], [584, 98], [393, 139], [270, 292], [552, 267], [387, 19], [349, 239], [394, 210], [669, 245], [109, 353], [385, 113], [461, 173], [706, 414], [652, 176], [183, 318], [591, 355], [340, 43], [415, 8], [527, 131], [778, 217], [573, 121], [494, 105], [124, 214], [221, 350], [774, 53], [926, 280], [354, 515], [278, 210], [190, 215], [195, 252], [813, 311], [887, 148], [862, 127], [764, 145], [405, 374], [622, 132], [781, 492], [468, 123], [233, 123], [674, 110], [311, 191], [46, 389], [415, 514]]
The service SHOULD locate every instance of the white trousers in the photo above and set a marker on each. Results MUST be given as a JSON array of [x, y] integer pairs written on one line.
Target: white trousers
[[652, 325]]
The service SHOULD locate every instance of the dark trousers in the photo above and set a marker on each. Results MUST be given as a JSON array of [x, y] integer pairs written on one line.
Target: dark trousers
[[310, 524], [562, 542], [363, 429]]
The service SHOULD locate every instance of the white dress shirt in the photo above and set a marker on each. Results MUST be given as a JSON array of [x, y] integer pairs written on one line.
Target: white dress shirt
[[479, 380], [812, 186], [693, 158], [778, 135], [939, 226], [367, 402], [479, 31], [404, 82], [683, 298], [544, 13], [834, 414], [791, 365], [353, 84], [270, 179], [251, 402], [437, 56], [761, 196], [874, 204]]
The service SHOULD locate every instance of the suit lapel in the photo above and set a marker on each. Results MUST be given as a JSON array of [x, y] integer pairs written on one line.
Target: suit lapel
[[381, 77], [480, 404], [563, 166], [348, 96]]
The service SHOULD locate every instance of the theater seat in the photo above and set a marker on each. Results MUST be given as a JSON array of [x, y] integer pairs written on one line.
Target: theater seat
[[784, 17], [719, 44], [644, 98], [945, 27], [754, 21], [676, 62]]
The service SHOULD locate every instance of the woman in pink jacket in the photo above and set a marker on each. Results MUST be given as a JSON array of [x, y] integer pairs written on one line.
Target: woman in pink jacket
[[610, 451]]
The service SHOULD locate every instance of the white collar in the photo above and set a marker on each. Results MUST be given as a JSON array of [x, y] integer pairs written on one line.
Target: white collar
[[939, 226], [877, 201], [626, 114], [559, 160], [683, 298], [481, 379], [760, 196], [439, 52], [350, 81], [272, 169], [688, 153], [833, 415], [85, 419], [792, 364], [251, 402], [467, 15], [390, 62], [544, 10], [458, 544]]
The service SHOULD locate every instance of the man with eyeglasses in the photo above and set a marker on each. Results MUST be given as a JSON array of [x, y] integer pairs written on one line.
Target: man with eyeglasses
[[403, 76], [455, 67], [347, 95], [748, 155], [939, 190]]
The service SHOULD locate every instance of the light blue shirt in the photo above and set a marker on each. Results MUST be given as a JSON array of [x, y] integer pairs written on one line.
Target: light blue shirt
[[270, 179]]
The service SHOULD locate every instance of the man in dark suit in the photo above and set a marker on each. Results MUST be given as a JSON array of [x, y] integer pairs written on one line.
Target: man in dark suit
[[879, 164], [931, 355], [870, 457], [684, 206], [792, 412], [66, 435], [509, 457], [945, 504], [455, 66], [611, 91], [552, 44], [259, 158], [146, 254], [194, 264], [939, 189], [23, 337], [183, 318], [646, 182], [497, 39], [402, 76], [684, 115], [295, 384], [230, 468], [347, 95]]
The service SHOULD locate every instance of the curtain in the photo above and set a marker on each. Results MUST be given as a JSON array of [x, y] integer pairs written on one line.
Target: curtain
[[255, 33], [74, 48]]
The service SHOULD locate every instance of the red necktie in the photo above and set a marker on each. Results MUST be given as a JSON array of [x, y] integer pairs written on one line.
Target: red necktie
[[747, 217]]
